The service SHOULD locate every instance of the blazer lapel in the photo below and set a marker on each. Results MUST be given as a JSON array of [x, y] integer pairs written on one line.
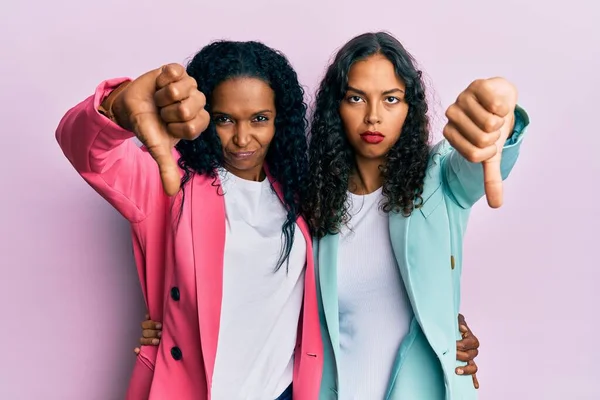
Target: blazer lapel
[[420, 246], [327, 271], [208, 236], [399, 239]]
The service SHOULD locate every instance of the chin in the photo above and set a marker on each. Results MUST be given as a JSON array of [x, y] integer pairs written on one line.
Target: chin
[[243, 167], [372, 154], [246, 166]]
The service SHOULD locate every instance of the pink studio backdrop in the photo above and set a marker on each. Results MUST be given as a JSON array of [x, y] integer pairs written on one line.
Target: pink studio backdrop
[[70, 304]]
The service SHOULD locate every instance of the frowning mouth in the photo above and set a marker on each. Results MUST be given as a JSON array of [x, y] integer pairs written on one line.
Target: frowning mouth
[[372, 137]]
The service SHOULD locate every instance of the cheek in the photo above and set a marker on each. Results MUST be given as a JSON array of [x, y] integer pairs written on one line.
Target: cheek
[[225, 133], [397, 120], [351, 119], [264, 135]]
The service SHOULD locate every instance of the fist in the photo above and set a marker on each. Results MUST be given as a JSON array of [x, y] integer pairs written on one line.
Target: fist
[[162, 107], [479, 123]]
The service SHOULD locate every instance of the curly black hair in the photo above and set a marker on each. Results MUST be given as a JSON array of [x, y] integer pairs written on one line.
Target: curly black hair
[[287, 155], [331, 157]]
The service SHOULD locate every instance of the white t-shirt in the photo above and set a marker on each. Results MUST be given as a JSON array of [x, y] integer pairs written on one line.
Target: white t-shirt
[[260, 307], [374, 310]]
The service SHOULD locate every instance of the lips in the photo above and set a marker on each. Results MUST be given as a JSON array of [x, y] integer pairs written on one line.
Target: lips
[[242, 155], [372, 137]]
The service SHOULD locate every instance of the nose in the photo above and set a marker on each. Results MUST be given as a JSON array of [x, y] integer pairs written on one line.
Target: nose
[[242, 135], [373, 116]]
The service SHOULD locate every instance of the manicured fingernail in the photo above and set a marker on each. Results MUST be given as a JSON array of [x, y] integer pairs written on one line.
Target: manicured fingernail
[[158, 325], [159, 334], [155, 341], [460, 371]]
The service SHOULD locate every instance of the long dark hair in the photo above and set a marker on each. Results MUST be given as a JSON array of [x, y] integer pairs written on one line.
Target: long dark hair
[[287, 155], [331, 158]]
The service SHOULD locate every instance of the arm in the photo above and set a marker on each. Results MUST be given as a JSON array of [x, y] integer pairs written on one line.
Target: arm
[[103, 154], [464, 179]]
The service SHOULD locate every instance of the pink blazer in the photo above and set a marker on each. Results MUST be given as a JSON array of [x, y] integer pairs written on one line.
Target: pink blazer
[[180, 263]]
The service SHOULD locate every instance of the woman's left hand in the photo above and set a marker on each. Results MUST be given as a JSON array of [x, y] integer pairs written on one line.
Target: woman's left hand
[[479, 123], [151, 333], [466, 350]]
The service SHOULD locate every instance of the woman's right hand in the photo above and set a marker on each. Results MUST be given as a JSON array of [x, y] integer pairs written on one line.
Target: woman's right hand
[[161, 107], [151, 333]]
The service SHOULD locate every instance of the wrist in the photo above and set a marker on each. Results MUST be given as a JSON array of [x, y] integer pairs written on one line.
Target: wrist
[[113, 108]]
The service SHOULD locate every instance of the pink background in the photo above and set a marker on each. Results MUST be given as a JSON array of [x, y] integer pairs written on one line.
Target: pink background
[[70, 304]]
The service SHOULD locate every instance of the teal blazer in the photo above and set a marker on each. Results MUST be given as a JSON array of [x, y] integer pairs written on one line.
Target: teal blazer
[[428, 248]]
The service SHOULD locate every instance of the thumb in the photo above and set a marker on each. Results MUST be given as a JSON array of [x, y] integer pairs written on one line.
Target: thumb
[[492, 173], [161, 151], [168, 169], [492, 180]]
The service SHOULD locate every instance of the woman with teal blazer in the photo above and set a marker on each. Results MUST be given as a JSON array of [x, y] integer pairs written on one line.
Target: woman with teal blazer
[[389, 213]]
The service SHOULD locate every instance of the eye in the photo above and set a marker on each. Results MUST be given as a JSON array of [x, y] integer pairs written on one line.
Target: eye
[[392, 100], [221, 119], [354, 99], [260, 118]]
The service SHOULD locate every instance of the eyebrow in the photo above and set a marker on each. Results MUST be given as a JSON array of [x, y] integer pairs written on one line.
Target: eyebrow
[[266, 111], [390, 91]]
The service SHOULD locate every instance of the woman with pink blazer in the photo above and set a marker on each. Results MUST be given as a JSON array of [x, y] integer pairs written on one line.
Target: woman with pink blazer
[[225, 262]]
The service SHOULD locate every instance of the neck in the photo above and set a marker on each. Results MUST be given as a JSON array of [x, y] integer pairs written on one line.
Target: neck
[[366, 177]]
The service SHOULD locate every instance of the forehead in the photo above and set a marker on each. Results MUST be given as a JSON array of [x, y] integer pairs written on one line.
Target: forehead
[[375, 73], [243, 95]]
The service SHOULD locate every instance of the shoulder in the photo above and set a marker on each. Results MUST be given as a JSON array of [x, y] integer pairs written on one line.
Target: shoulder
[[437, 152]]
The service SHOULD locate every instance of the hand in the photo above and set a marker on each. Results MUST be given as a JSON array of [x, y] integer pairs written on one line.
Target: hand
[[479, 123], [151, 333], [466, 350], [162, 107]]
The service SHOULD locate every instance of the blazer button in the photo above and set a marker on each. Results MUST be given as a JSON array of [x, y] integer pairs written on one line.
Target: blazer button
[[452, 262], [175, 295], [176, 353]]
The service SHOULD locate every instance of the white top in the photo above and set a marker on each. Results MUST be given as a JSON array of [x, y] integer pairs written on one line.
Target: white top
[[374, 310], [260, 307]]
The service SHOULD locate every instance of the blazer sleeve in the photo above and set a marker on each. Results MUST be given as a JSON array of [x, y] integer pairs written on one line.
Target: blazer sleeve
[[107, 159]]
